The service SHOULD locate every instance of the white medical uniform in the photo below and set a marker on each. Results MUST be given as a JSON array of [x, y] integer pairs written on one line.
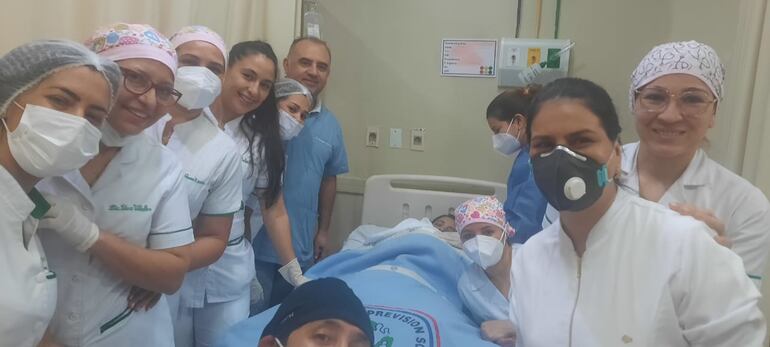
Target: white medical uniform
[[140, 198], [480, 296], [254, 180], [226, 288], [28, 288], [648, 277], [236, 267], [213, 176], [736, 202]]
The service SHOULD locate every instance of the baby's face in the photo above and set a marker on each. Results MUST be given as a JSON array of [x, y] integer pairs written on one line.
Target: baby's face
[[445, 224]]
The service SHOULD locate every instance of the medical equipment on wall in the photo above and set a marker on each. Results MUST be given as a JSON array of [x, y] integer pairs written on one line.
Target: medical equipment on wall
[[311, 19], [532, 61], [389, 199]]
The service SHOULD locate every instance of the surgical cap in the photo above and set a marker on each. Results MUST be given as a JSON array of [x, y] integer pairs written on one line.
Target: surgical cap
[[288, 86], [686, 57], [320, 299], [127, 41], [27, 65], [482, 209], [199, 33]]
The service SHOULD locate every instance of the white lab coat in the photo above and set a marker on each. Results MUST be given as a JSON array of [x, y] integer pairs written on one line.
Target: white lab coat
[[210, 162], [28, 294], [736, 202], [212, 173], [648, 277], [480, 296], [140, 198], [230, 277]]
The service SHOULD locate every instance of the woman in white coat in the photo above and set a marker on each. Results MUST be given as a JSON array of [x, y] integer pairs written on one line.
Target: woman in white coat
[[126, 208], [53, 97], [616, 269], [675, 93], [247, 111], [212, 171]]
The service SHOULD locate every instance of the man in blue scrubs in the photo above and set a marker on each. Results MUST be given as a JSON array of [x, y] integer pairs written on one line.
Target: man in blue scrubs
[[315, 157]]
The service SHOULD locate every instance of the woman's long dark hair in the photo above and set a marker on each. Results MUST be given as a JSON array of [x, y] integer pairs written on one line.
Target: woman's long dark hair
[[263, 122]]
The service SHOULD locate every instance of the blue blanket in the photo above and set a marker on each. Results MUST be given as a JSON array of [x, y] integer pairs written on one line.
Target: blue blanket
[[409, 288]]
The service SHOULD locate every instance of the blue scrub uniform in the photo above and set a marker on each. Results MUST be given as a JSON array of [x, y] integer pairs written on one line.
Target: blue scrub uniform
[[525, 204], [318, 151]]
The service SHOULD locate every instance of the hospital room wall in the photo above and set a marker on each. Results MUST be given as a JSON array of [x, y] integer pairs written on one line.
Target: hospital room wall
[[385, 73], [386, 61], [386, 69]]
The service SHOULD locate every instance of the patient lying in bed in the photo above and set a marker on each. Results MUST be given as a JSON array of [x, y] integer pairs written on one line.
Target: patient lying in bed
[[408, 283], [368, 236]]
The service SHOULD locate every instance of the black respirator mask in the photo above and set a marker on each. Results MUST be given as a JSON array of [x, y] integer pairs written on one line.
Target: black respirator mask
[[570, 181]]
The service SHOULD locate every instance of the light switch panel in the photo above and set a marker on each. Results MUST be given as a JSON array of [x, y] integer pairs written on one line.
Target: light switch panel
[[395, 137]]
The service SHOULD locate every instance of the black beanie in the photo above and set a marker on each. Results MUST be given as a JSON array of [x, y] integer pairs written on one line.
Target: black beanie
[[324, 298]]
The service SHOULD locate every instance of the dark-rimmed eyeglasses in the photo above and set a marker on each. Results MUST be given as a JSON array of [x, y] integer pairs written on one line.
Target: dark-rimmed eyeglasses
[[138, 84]]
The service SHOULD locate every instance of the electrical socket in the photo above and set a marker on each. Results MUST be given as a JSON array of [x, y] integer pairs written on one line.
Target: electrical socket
[[373, 137], [418, 139]]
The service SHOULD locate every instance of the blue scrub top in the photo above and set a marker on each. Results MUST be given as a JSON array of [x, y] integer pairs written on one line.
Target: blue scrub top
[[525, 204], [318, 151]]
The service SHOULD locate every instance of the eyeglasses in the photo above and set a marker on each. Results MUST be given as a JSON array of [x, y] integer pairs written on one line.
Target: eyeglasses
[[691, 103], [138, 84]]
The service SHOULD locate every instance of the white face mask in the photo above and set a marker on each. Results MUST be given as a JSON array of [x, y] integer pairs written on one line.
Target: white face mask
[[278, 342], [290, 127], [198, 85], [50, 143], [506, 143], [484, 250]]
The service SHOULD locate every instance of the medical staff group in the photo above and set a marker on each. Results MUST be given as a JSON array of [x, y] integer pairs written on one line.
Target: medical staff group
[[156, 191]]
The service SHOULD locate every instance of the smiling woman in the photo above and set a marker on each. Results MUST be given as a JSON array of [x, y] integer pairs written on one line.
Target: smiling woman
[[103, 250], [620, 269], [247, 111], [674, 94], [215, 292], [53, 95]]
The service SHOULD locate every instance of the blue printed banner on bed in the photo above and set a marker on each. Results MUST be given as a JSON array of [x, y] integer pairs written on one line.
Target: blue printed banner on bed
[[402, 327], [468, 58]]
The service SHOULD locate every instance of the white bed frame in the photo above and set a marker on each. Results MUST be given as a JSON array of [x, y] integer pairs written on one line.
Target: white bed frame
[[389, 199]]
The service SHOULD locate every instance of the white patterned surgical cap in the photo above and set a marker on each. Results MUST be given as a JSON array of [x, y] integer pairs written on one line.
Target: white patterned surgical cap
[[686, 57]]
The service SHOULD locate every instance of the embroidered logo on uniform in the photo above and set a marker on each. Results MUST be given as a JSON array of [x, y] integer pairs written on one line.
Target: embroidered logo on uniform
[[627, 339], [194, 179], [402, 327], [130, 207]]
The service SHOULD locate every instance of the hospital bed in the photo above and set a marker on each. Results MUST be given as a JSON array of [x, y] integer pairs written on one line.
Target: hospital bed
[[412, 201], [389, 199], [406, 280]]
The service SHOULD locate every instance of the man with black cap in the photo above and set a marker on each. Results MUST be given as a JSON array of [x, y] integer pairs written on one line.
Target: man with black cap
[[322, 312]]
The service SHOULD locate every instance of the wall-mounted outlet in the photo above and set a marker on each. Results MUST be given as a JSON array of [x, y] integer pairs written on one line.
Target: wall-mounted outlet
[[418, 139], [373, 137], [395, 137]]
